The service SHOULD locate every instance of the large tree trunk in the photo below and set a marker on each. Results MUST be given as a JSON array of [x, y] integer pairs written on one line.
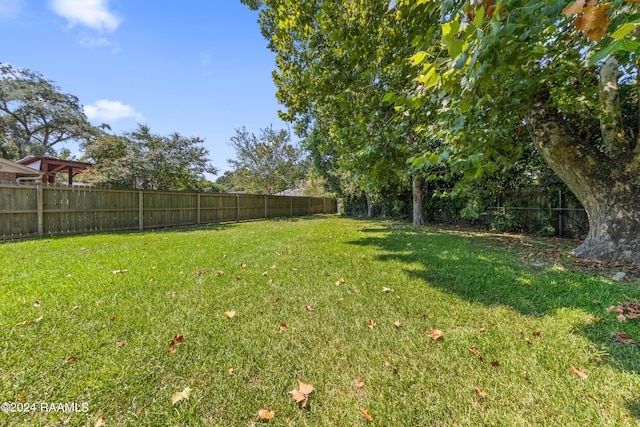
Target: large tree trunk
[[607, 182], [418, 199]]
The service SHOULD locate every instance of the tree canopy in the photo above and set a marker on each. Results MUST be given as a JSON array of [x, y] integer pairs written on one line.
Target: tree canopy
[[464, 89], [35, 116], [144, 160], [267, 163]]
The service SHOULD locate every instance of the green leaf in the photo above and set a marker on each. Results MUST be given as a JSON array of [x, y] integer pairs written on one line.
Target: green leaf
[[625, 45], [430, 78], [390, 97], [418, 58], [625, 29]]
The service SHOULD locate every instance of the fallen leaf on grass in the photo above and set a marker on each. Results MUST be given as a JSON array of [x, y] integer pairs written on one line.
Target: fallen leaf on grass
[[372, 324], [230, 314], [579, 373], [29, 322], [436, 334], [72, 359], [37, 304], [340, 282], [282, 327], [100, 422], [623, 338], [476, 353], [309, 307], [75, 307], [479, 391], [386, 290], [113, 317], [120, 343], [265, 414], [495, 363], [359, 384], [179, 396], [366, 414], [178, 339], [396, 324], [119, 271], [171, 350], [232, 372], [202, 271], [243, 265], [219, 273], [301, 396]]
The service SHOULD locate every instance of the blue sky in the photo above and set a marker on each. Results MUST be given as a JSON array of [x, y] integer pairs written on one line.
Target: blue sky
[[197, 67]]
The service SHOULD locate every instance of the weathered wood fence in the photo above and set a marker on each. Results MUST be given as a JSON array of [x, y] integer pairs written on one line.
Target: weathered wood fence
[[42, 210]]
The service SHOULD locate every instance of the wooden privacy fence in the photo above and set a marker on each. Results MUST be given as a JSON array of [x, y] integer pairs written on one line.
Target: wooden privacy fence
[[42, 210]]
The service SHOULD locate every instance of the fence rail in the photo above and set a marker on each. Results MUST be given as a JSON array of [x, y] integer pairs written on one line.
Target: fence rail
[[42, 210]]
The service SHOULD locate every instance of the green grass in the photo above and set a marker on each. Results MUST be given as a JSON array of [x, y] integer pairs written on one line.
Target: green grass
[[534, 322]]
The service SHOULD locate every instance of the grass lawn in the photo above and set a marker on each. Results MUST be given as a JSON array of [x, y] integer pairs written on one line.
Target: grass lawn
[[117, 324]]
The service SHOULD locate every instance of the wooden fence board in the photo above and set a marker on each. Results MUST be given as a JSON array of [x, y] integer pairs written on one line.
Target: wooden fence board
[[31, 210]]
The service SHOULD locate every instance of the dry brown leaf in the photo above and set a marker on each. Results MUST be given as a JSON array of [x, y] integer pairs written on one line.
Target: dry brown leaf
[[219, 273], [359, 384], [138, 412], [623, 338], [282, 327], [387, 290], [113, 317], [179, 396], [37, 304], [436, 334], [396, 324], [579, 373], [309, 307], [366, 414], [120, 343], [301, 396], [171, 350], [495, 363], [577, 7], [100, 422], [621, 318], [75, 307], [476, 353], [243, 265], [29, 322], [232, 372], [265, 414], [202, 271], [479, 391], [72, 359], [340, 282], [178, 339], [230, 314], [119, 271]]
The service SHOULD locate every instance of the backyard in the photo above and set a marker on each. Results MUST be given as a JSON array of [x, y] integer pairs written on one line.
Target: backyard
[[368, 322]]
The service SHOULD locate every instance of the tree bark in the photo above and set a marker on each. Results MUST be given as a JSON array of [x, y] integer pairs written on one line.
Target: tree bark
[[607, 186], [418, 199]]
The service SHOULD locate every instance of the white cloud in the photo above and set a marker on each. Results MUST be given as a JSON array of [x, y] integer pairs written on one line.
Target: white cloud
[[109, 111], [90, 42], [90, 13], [10, 8]]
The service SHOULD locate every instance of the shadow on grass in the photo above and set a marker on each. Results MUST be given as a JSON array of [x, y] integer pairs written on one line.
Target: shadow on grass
[[496, 270]]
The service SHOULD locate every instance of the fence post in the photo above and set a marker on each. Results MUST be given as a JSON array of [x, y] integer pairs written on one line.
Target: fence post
[[40, 210], [560, 213], [238, 207], [198, 208], [141, 210]]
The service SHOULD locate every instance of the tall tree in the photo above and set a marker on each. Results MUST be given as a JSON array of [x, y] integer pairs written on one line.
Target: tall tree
[[35, 116], [142, 159], [267, 163], [514, 62]]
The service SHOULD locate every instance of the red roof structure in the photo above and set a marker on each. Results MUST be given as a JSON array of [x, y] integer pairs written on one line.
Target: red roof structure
[[50, 166]]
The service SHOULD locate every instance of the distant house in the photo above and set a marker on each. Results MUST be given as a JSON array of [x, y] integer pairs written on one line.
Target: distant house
[[48, 167], [10, 171]]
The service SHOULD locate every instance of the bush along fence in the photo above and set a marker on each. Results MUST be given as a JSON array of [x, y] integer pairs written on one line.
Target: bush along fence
[[43, 210]]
